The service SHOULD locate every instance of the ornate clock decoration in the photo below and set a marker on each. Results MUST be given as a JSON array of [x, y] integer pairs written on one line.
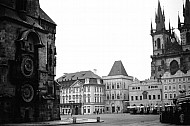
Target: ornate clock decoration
[[27, 92], [27, 66]]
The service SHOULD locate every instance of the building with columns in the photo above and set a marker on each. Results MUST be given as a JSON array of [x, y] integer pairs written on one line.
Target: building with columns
[[81, 93], [116, 89]]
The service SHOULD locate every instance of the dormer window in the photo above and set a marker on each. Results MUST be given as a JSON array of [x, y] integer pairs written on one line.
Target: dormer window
[[87, 81], [98, 81]]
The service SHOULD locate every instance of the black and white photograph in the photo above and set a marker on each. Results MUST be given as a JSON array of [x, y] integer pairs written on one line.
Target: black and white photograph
[[94, 62]]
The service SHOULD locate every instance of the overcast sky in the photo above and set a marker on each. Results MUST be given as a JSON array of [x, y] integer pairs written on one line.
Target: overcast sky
[[92, 34]]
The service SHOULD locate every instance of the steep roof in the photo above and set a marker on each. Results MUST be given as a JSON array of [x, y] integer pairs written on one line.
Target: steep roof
[[78, 75], [118, 69], [45, 17]]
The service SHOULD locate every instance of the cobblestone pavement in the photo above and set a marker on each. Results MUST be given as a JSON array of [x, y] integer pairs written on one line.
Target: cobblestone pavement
[[124, 119]]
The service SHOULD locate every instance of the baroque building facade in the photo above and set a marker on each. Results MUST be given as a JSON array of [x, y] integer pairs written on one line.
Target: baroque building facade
[[117, 89], [174, 85], [81, 93], [147, 93], [27, 63]]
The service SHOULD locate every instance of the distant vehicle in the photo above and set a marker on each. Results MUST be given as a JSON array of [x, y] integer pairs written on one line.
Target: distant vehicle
[[179, 113]]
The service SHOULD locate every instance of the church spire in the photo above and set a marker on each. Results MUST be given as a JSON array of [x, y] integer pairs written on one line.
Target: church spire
[[169, 28], [151, 30], [179, 23], [160, 18], [186, 12]]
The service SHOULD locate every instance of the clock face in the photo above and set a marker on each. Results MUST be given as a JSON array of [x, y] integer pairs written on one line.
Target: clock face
[[27, 92], [27, 66], [174, 67]]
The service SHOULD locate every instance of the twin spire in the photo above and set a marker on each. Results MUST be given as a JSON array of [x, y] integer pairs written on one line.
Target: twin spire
[[160, 18]]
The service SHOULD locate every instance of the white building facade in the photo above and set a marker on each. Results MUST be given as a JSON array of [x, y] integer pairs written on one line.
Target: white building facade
[[147, 93], [174, 84], [116, 89], [81, 93]]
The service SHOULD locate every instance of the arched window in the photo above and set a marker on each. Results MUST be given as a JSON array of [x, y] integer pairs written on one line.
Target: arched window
[[174, 67], [158, 43]]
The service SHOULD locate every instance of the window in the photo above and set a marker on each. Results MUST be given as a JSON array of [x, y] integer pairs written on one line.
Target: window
[[165, 87], [149, 97], [166, 96], [84, 98], [95, 98], [136, 97], [174, 95], [117, 86], [112, 86], [170, 96], [124, 96], [69, 97], [107, 96], [158, 43], [107, 86], [118, 96], [158, 96], [112, 96], [173, 87], [88, 88], [154, 97], [88, 109], [179, 86], [170, 87], [131, 98], [88, 98], [84, 109], [140, 97], [107, 108]]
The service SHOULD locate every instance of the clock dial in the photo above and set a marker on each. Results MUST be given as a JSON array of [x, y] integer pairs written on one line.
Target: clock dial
[[27, 92], [27, 66]]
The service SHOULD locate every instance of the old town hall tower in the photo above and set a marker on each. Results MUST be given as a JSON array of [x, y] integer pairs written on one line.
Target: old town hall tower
[[169, 53], [27, 63]]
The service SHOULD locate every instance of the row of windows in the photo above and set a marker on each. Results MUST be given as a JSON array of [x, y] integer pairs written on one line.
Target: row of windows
[[78, 90], [114, 96], [150, 97], [152, 87], [135, 88], [177, 80], [98, 89], [115, 86], [173, 87], [170, 96]]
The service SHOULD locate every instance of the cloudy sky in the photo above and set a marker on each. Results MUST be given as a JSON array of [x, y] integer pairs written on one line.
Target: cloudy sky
[[92, 34]]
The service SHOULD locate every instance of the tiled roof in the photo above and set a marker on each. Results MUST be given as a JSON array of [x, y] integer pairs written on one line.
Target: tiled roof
[[45, 17], [78, 75], [117, 69]]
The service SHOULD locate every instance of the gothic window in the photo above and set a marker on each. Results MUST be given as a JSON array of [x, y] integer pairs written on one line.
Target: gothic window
[[158, 43], [188, 38], [155, 43], [174, 67]]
